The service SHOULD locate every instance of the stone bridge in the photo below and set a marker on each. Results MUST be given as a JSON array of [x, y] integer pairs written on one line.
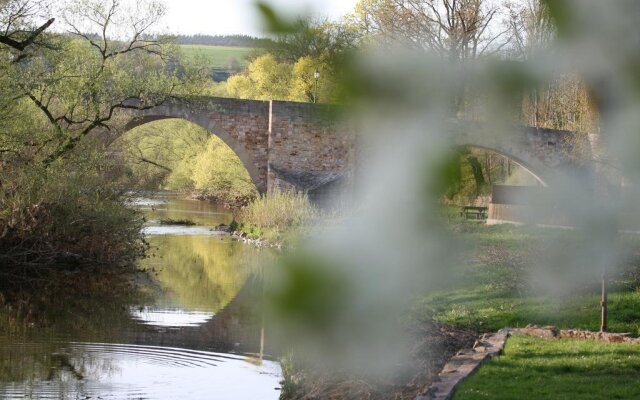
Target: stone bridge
[[283, 145], [287, 145]]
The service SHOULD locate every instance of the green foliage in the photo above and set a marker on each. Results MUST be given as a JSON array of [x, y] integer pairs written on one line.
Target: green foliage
[[273, 21], [278, 213], [62, 200], [72, 213], [157, 151], [268, 79], [557, 369], [219, 174], [310, 295], [178, 155], [218, 56], [265, 79], [325, 41]]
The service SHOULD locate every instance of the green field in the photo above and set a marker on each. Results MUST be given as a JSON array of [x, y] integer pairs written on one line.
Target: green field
[[533, 368], [218, 56]]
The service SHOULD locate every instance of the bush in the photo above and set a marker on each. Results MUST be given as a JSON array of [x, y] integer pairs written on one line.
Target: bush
[[277, 213], [72, 213]]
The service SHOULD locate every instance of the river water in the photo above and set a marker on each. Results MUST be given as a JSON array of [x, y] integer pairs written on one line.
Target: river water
[[196, 333]]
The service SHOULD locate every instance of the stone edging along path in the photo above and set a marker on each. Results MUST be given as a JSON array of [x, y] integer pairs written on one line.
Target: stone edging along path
[[466, 362]]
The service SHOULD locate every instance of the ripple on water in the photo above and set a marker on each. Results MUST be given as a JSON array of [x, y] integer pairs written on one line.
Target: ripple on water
[[118, 371]]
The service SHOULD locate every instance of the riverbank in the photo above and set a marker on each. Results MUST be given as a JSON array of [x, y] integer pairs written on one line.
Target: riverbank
[[494, 286], [432, 346], [277, 219]]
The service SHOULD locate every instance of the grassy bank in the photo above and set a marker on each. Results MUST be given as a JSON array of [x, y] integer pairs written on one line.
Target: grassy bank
[[278, 217], [499, 284], [557, 369]]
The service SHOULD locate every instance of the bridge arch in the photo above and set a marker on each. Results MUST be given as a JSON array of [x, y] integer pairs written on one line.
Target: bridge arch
[[216, 119], [547, 154], [525, 164]]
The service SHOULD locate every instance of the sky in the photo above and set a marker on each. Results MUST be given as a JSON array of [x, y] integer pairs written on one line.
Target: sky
[[217, 17]]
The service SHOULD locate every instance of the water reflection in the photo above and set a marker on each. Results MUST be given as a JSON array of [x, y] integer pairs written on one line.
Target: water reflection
[[111, 371], [181, 230], [170, 318], [190, 338], [169, 206], [201, 272]]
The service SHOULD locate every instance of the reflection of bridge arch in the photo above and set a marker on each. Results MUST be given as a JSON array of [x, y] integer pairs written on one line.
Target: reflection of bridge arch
[[235, 328]]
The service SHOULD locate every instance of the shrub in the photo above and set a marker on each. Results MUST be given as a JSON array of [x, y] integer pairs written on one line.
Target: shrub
[[71, 213]]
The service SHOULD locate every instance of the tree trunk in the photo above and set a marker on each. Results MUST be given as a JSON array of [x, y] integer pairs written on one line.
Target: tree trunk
[[476, 169]]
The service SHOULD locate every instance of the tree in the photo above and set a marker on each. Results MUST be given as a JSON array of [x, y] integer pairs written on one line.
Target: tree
[[18, 29], [562, 103], [304, 85], [264, 79], [321, 40], [531, 27], [454, 29], [267, 79], [81, 83]]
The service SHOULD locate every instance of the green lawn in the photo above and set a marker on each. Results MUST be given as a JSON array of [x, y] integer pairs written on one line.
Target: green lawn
[[218, 56], [533, 368], [494, 288]]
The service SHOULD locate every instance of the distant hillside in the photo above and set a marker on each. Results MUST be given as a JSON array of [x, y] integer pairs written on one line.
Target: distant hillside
[[223, 60], [224, 40]]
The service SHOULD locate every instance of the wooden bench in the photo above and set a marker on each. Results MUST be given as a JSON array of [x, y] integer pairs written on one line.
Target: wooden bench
[[477, 212]]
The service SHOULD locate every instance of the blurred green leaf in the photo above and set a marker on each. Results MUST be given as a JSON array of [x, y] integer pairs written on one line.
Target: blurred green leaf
[[311, 294], [273, 22]]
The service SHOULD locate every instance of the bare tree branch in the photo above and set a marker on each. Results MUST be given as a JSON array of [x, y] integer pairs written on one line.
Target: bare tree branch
[[23, 44]]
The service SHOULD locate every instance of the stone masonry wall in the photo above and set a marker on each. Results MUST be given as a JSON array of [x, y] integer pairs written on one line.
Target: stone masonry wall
[[307, 138], [300, 140]]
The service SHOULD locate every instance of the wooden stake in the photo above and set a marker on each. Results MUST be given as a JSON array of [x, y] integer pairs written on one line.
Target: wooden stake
[[603, 303]]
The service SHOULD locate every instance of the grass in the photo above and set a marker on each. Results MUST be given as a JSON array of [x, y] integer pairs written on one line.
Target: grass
[[557, 369], [278, 216], [217, 56], [495, 289]]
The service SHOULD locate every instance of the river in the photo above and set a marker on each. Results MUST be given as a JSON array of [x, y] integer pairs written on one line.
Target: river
[[196, 332]]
